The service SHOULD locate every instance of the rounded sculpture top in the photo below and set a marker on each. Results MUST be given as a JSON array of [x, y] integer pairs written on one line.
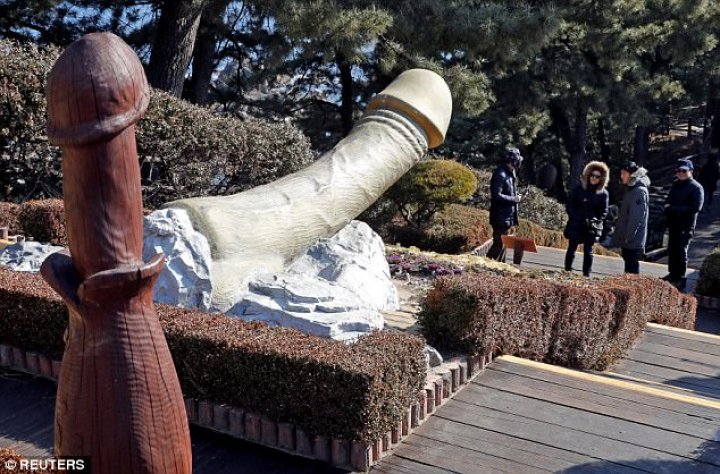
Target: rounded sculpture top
[[422, 95], [96, 89]]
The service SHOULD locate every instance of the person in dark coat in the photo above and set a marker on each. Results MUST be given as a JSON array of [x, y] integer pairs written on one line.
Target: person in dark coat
[[504, 199], [709, 176], [587, 208], [682, 205], [631, 228]]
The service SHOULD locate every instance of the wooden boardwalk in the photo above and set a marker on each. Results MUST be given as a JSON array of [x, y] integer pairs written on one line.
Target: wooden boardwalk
[[658, 411]]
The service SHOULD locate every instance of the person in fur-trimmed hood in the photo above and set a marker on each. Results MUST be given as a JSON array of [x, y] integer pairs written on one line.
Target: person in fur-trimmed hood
[[587, 207], [631, 228]]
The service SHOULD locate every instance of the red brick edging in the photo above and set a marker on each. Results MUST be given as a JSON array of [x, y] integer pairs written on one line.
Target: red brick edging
[[356, 455]]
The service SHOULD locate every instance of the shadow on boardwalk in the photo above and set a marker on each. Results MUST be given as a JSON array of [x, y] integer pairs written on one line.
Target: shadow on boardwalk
[[708, 450], [26, 425]]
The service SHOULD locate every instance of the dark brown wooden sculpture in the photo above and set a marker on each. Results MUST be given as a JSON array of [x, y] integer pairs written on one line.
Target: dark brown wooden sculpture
[[119, 399]]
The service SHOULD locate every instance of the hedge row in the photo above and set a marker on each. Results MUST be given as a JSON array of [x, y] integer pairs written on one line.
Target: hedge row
[[43, 220], [353, 391], [459, 229], [8, 217], [577, 324]]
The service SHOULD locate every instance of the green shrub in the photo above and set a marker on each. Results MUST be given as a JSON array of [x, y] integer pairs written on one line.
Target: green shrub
[[184, 150], [29, 165], [353, 391], [44, 221], [189, 151], [709, 279], [430, 186]]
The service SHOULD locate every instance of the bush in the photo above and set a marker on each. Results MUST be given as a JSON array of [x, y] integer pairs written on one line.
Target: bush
[[185, 150], [44, 221], [578, 324], [8, 217], [709, 279], [459, 229], [29, 165], [354, 391], [189, 151], [430, 186]]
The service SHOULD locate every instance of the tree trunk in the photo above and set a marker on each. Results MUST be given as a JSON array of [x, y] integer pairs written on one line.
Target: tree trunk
[[203, 58], [641, 145], [712, 112], [528, 168], [346, 82], [574, 138], [173, 44], [604, 147]]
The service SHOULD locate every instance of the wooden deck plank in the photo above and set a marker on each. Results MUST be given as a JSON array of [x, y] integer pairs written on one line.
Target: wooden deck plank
[[642, 356], [653, 402], [502, 445], [707, 347], [677, 358], [701, 385], [602, 404], [584, 422], [687, 335], [460, 459], [400, 465], [552, 434]]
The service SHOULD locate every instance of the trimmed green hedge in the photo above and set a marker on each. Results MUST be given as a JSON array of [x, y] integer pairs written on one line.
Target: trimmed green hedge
[[44, 221], [8, 217], [576, 324], [353, 391]]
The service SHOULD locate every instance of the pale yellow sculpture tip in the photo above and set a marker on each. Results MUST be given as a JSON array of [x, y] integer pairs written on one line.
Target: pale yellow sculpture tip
[[422, 95]]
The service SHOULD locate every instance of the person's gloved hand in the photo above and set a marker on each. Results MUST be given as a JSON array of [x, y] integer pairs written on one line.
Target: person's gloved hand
[[517, 198]]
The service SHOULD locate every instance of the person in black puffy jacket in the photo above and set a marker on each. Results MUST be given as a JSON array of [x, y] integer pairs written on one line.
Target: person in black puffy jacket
[[504, 200], [587, 208], [682, 205]]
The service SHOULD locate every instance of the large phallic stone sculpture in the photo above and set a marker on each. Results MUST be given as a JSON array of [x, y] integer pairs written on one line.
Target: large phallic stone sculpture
[[266, 228], [119, 399]]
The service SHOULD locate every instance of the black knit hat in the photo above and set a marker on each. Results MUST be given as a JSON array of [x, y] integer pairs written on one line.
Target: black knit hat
[[513, 156], [630, 167]]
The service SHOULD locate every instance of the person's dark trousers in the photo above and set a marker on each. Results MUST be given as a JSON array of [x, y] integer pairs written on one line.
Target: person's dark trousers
[[587, 255], [678, 243], [497, 251], [632, 260]]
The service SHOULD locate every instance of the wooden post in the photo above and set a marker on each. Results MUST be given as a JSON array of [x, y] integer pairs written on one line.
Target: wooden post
[[119, 399], [519, 246]]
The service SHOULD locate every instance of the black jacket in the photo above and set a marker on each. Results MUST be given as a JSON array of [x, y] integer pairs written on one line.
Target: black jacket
[[503, 208], [584, 204], [683, 203]]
